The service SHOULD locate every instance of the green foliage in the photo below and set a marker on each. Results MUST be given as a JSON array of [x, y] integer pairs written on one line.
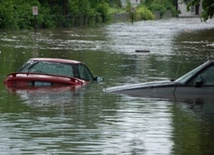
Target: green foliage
[[102, 10], [158, 7], [24, 16], [7, 16], [162, 5], [114, 3], [143, 13], [128, 6], [44, 19], [17, 14]]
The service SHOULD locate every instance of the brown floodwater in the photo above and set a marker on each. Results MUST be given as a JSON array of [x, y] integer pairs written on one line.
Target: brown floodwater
[[88, 120]]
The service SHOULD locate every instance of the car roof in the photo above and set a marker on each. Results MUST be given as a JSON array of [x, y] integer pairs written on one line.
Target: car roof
[[56, 60]]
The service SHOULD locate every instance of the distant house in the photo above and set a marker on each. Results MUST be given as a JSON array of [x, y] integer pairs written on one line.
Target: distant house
[[194, 10]]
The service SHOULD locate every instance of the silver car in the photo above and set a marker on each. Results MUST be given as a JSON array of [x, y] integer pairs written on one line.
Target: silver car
[[198, 83]]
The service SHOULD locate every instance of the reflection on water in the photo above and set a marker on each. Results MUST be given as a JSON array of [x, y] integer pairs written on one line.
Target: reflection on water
[[193, 127], [89, 121], [51, 96], [151, 126]]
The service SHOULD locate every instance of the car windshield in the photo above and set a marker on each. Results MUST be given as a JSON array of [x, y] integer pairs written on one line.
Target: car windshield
[[183, 79], [54, 68]]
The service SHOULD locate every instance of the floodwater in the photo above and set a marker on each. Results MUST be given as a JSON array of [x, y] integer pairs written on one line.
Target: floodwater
[[87, 120]]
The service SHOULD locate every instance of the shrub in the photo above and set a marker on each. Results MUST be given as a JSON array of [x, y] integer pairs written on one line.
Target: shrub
[[142, 13], [163, 6]]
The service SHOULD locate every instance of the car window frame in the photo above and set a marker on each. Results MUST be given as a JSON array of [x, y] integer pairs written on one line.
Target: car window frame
[[85, 68]]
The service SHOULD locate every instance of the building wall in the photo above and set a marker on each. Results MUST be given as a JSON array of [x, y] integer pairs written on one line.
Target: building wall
[[194, 10]]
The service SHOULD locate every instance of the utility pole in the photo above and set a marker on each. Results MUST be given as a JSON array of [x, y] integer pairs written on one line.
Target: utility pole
[[132, 14], [35, 13]]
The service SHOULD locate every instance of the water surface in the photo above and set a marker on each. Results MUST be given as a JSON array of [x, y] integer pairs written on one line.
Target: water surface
[[87, 120]]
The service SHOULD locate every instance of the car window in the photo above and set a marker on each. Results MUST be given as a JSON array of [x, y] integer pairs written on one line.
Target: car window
[[26, 66], [84, 73], [49, 68], [62, 69], [206, 77]]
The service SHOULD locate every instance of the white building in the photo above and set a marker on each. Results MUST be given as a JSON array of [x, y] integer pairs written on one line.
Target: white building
[[194, 10]]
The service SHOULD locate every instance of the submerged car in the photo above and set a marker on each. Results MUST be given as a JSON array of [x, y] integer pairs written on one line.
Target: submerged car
[[198, 83], [50, 72]]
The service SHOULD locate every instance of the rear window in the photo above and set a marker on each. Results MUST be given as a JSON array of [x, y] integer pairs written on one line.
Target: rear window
[[48, 68], [62, 69]]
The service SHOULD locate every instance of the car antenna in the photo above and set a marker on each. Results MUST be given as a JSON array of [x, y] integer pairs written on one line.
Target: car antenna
[[176, 74]]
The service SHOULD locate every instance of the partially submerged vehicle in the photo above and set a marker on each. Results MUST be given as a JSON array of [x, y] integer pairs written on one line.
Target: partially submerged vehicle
[[198, 83], [50, 72]]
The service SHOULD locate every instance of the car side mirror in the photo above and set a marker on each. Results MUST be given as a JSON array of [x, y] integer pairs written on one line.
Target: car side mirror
[[98, 79], [198, 84]]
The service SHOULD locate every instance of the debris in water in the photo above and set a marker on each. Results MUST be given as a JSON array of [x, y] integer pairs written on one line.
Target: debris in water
[[142, 51]]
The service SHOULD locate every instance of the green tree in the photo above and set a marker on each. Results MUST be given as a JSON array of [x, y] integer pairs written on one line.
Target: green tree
[[8, 17], [142, 13], [17, 14], [162, 5]]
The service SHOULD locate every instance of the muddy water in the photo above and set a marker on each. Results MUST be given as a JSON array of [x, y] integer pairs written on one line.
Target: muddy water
[[89, 121]]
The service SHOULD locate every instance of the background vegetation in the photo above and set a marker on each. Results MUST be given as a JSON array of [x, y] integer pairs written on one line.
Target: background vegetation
[[17, 14], [163, 6]]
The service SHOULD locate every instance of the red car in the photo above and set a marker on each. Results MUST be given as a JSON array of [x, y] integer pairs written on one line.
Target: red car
[[50, 72]]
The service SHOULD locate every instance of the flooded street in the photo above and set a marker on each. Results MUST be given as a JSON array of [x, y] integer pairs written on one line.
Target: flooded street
[[87, 120]]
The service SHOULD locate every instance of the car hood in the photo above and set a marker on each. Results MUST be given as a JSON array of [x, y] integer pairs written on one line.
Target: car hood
[[140, 86]]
